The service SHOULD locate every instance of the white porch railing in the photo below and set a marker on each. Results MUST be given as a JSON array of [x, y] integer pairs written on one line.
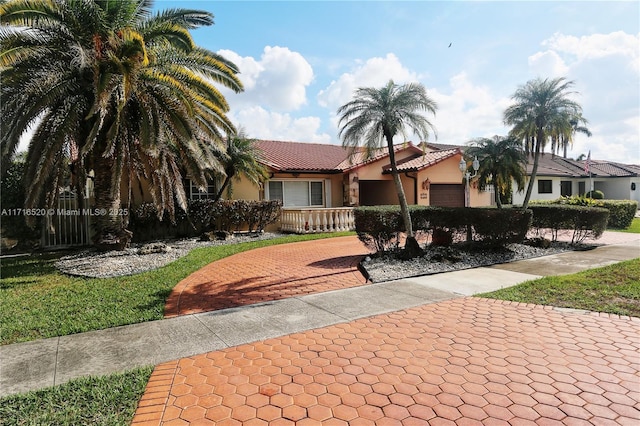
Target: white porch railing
[[316, 220]]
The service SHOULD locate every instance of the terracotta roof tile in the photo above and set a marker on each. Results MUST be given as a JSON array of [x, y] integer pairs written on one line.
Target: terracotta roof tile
[[422, 161], [299, 156]]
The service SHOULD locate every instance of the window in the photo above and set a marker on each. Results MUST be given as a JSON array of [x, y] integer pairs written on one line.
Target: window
[[544, 187], [195, 193], [565, 188], [298, 193]]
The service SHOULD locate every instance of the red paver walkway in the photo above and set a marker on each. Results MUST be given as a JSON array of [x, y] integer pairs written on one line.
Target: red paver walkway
[[270, 273], [460, 362]]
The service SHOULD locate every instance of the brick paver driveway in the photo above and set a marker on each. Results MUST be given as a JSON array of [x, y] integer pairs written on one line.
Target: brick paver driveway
[[464, 361], [270, 273]]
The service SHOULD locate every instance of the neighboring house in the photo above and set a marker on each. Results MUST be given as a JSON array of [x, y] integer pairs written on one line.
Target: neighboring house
[[558, 176]]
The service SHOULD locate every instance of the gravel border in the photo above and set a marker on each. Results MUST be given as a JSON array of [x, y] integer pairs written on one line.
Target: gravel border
[[139, 258]]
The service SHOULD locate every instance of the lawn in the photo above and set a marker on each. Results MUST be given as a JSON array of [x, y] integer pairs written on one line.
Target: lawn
[[37, 301], [98, 401], [613, 289], [112, 399], [634, 228]]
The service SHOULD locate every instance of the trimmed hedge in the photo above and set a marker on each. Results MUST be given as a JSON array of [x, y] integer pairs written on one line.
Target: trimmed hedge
[[202, 216], [378, 227], [621, 212], [582, 221]]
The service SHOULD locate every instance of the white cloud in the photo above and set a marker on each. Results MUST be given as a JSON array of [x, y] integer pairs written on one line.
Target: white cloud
[[374, 72], [605, 69], [548, 64], [597, 46], [263, 124], [467, 110], [278, 80]]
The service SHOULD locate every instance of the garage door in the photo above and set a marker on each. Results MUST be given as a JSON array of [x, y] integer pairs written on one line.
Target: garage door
[[446, 195]]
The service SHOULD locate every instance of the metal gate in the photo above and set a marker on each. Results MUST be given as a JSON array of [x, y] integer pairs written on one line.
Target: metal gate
[[67, 225]]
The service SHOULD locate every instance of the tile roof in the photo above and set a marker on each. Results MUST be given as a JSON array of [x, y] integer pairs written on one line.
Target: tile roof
[[423, 160], [299, 156], [326, 158], [553, 165], [358, 158]]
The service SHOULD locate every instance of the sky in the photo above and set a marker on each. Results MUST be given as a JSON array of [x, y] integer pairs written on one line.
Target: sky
[[301, 60]]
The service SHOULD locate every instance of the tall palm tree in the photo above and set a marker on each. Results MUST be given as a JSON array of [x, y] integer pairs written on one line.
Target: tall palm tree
[[116, 92], [563, 139], [374, 117], [541, 109], [502, 161], [240, 159]]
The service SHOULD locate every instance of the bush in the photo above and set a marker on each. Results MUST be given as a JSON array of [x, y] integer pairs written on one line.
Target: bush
[[582, 221], [12, 191], [379, 227], [596, 195], [203, 215], [621, 212]]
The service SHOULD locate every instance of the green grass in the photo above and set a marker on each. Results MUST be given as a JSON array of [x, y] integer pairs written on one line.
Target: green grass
[[108, 400], [634, 228], [36, 301], [614, 289]]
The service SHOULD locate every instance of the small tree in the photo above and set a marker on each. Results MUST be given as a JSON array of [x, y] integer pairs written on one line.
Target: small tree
[[374, 117], [502, 160], [240, 159]]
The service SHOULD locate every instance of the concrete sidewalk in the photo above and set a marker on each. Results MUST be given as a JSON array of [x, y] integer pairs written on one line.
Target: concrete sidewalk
[[37, 364]]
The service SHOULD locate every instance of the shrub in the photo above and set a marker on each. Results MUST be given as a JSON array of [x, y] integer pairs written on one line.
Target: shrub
[[596, 195], [203, 215], [13, 197], [378, 227], [582, 221], [621, 212]]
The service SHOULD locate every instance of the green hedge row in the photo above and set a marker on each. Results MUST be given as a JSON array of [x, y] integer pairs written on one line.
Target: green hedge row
[[581, 220], [621, 212], [203, 216], [378, 227]]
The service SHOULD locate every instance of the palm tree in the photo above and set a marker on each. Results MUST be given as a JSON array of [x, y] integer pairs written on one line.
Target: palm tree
[[374, 117], [541, 110], [115, 92], [240, 159], [564, 136], [502, 161]]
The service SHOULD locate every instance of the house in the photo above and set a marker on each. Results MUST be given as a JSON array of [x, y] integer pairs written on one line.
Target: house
[[322, 175], [320, 184], [558, 176]]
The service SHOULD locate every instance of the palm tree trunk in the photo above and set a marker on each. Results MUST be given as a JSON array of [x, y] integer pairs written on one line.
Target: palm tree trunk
[[110, 233], [411, 246], [534, 171], [497, 190], [223, 187]]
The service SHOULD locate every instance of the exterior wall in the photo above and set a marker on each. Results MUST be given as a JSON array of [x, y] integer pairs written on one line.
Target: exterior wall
[[243, 189], [613, 188], [635, 193], [335, 182]]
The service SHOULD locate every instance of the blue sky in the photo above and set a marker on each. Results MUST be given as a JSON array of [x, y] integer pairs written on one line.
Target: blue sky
[[301, 60]]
